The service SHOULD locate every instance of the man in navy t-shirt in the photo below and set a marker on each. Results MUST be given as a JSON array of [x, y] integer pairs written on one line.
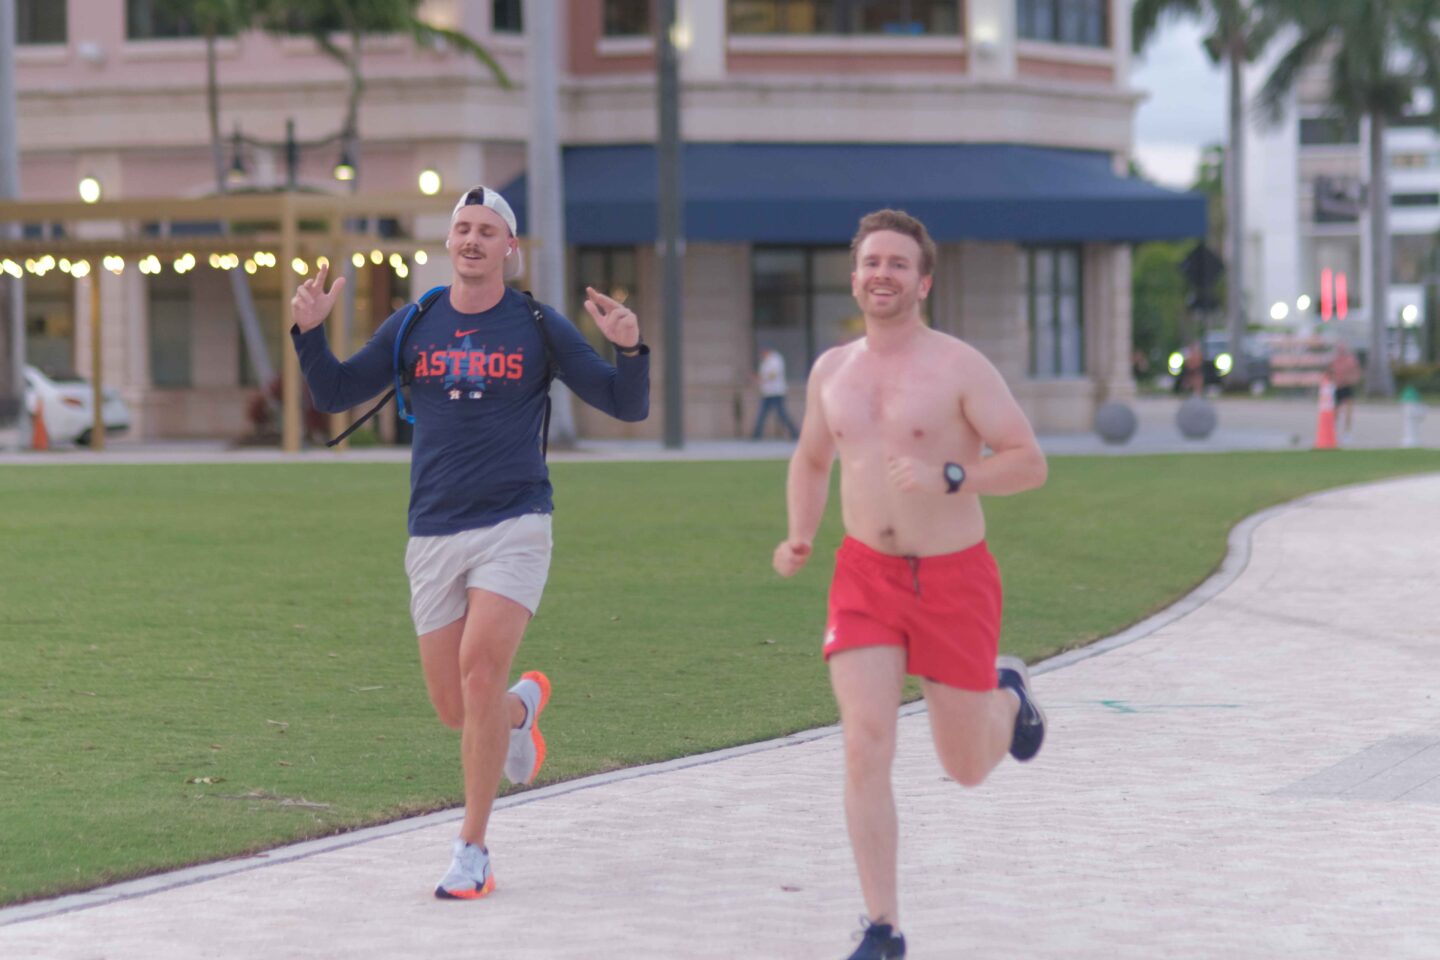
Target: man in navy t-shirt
[[480, 496]]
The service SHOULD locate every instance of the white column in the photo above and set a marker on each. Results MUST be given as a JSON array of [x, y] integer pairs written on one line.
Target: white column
[[703, 28], [990, 38]]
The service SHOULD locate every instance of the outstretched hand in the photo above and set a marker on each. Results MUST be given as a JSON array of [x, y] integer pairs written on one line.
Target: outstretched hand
[[616, 321], [311, 303]]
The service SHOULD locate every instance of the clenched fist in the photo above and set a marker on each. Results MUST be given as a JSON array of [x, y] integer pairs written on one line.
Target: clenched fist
[[909, 475], [790, 556]]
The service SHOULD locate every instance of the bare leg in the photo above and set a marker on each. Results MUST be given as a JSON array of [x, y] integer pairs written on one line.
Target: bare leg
[[868, 683], [972, 729], [465, 672]]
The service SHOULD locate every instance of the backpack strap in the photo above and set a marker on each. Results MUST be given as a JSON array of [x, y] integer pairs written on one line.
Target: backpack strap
[[403, 375], [552, 369]]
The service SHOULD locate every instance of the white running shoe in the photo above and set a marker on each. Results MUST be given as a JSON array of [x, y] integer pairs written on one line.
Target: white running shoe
[[527, 747], [469, 876]]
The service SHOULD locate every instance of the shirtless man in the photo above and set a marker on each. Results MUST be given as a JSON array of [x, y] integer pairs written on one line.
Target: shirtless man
[[909, 410]]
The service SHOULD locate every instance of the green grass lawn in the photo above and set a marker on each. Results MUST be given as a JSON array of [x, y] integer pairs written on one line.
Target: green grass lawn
[[246, 626]]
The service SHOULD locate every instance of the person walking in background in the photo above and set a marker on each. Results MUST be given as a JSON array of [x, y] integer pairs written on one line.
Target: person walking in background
[[478, 358], [1345, 374], [773, 385], [909, 411]]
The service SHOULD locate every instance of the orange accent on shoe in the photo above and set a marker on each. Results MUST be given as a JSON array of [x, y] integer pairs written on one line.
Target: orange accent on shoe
[[484, 891], [543, 682]]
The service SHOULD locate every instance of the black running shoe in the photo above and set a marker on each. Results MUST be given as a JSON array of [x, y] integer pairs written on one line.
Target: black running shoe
[[1030, 720], [880, 942]]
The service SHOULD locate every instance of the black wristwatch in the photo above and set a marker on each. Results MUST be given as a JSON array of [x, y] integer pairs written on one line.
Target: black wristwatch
[[954, 477], [628, 351]]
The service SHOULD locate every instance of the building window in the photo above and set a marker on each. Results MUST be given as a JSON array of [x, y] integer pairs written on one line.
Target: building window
[[846, 17], [627, 18], [1415, 199], [506, 16], [170, 323], [802, 302], [1328, 131], [614, 271], [1057, 323], [157, 20], [39, 21], [1414, 258], [1081, 23]]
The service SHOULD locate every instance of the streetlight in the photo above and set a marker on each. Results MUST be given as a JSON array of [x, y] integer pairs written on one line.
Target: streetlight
[[430, 182], [345, 166], [90, 190]]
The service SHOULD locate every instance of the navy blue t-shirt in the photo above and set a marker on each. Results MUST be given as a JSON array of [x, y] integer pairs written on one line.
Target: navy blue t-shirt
[[478, 398]]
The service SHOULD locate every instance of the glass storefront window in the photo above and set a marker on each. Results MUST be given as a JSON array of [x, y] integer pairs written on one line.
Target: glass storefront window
[[802, 304], [1076, 22], [845, 17], [1057, 319], [39, 21]]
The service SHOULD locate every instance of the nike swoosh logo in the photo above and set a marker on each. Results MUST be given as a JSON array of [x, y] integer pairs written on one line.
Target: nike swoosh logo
[[466, 333]]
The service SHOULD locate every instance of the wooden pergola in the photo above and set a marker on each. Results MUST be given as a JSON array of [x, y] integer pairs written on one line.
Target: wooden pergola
[[298, 226]]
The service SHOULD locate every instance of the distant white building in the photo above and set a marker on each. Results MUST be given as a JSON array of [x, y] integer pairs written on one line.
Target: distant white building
[[1307, 225]]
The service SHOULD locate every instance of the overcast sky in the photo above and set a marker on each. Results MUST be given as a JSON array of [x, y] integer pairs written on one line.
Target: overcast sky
[[1184, 107]]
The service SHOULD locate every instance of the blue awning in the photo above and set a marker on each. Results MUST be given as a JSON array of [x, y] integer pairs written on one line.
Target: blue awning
[[816, 193]]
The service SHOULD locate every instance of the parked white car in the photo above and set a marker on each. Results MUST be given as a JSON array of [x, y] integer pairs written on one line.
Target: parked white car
[[69, 406]]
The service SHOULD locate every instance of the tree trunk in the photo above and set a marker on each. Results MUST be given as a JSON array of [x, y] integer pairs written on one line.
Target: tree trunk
[[1378, 379], [1235, 204]]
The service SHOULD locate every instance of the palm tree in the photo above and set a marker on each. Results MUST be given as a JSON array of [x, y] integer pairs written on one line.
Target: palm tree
[[323, 20], [213, 19], [1238, 32], [1380, 52]]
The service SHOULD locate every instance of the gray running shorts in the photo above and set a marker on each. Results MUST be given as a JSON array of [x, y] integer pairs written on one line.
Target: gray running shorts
[[511, 559]]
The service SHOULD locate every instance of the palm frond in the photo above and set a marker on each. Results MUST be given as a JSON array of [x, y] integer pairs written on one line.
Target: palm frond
[[1270, 102], [426, 34], [1147, 15]]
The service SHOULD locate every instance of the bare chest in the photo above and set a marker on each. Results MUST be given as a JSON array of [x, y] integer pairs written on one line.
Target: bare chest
[[865, 404]]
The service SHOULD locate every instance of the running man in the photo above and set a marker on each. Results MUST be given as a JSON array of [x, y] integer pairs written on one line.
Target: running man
[[908, 410], [480, 495]]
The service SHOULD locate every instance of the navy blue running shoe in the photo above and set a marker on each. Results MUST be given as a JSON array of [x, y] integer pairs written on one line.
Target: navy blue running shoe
[[1030, 720], [880, 942]]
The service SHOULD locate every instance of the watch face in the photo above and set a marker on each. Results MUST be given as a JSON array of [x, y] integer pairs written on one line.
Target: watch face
[[954, 472]]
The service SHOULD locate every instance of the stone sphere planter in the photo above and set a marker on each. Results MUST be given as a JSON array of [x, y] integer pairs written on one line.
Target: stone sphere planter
[[1116, 423], [1197, 418]]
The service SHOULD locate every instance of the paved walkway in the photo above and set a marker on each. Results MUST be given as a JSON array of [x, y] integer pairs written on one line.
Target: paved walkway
[[1255, 773]]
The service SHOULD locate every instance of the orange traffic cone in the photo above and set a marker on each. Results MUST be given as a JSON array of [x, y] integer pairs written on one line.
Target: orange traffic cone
[[1325, 416], [39, 436]]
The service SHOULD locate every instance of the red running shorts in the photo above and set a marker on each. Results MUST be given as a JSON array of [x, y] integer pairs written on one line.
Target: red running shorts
[[944, 610]]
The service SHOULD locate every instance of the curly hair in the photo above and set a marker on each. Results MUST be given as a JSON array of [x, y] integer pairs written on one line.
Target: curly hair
[[900, 222]]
